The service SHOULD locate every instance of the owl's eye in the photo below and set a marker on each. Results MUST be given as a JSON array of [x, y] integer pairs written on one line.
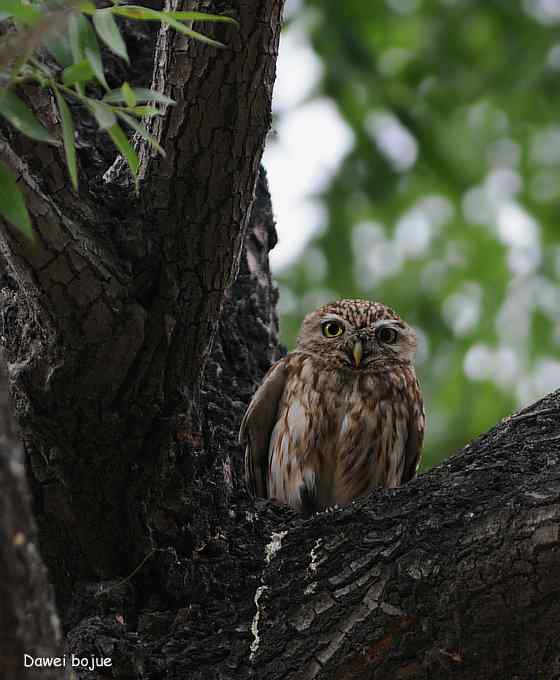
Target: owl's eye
[[332, 329], [387, 335]]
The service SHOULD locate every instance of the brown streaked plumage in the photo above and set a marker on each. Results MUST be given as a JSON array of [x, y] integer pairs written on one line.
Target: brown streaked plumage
[[340, 415]]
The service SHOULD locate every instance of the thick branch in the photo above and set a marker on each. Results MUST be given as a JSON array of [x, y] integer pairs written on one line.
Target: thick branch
[[457, 574], [202, 191]]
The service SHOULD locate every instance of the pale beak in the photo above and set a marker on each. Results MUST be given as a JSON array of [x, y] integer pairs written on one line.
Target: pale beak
[[357, 351]]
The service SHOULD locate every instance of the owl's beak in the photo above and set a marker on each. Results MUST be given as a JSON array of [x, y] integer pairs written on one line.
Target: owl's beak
[[357, 352]]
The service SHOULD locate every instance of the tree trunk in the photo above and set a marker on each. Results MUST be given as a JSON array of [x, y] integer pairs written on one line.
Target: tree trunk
[[28, 622], [136, 331], [120, 297]]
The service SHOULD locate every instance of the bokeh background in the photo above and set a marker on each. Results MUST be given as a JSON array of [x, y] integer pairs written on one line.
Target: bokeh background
[[415, 160]]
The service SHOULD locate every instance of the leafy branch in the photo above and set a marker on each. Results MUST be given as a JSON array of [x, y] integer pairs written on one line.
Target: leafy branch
[[71, 35]]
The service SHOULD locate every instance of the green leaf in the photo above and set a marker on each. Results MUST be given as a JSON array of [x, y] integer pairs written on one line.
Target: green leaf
[[146, 14], [108, 31], [75, 28], [77, 73], [17, 113], [20, 11], [59, 48], [12, 205], [181, 28], [94, 58], [68, 136], [138, 127], [142, 94], [125, 147], [85, 6], [84, 45], [148, 111], [201, 16], [104, 114], [136, 12], [128, 94]]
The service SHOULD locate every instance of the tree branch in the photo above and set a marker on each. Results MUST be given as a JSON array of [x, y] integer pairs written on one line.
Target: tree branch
[[202, 191], [456, 573]]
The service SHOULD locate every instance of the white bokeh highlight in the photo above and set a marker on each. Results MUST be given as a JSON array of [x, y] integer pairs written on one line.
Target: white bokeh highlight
[[393, 139], [309, 141]]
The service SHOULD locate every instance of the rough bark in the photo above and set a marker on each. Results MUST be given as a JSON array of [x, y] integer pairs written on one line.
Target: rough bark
[[454, 575], [118, 298], [28, 622], [132, 354]]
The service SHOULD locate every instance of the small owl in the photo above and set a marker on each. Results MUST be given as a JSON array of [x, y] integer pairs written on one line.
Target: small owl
[[340, 415]]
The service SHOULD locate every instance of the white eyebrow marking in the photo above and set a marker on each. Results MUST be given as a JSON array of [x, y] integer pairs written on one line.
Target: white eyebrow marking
[[391, 323], [332, 317]]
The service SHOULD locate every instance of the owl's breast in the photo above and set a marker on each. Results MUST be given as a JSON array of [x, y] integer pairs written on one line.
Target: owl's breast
[[371, 437], [303, 441], [338, 434]]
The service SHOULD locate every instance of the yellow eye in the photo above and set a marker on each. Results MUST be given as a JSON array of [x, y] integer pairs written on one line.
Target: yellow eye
[[332, 329]]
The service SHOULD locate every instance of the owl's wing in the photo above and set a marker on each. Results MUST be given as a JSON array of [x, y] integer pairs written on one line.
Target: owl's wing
[[257, 425], [416, 424]]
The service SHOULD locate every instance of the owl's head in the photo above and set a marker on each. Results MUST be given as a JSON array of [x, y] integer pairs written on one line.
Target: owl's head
[[358, 334]]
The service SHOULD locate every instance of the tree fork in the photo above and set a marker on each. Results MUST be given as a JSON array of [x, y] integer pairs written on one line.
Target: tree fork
[[116, 316]]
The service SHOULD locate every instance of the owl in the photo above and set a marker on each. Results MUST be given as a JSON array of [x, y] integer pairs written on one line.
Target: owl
[[340, 415]]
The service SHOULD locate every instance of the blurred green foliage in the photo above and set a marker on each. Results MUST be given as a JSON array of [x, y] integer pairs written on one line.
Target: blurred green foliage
[[447, 206]]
